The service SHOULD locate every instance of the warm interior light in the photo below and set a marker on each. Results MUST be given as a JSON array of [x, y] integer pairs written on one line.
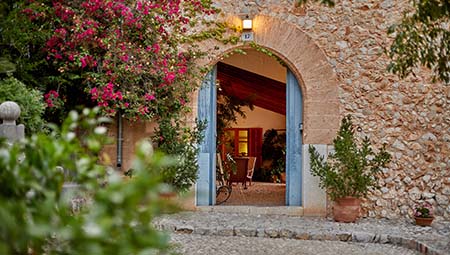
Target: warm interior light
[[247, 23]]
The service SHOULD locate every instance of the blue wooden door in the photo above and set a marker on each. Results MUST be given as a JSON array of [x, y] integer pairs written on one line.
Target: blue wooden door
[[293, 141], [207, 101]]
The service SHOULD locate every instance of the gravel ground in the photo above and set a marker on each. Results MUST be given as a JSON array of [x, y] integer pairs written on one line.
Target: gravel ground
[[246, 231], [230, 245]]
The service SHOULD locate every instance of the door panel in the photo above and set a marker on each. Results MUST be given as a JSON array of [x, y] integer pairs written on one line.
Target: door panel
[[293, 141], [206, 183]]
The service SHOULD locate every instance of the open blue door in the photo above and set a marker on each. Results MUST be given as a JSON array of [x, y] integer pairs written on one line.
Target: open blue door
[[206, 185], [294, 128]]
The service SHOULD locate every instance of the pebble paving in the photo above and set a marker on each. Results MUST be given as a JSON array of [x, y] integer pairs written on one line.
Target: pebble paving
[[213, 233], [190, 244]]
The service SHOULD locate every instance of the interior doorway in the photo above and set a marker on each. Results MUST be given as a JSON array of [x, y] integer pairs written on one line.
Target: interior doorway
[[266, 126]]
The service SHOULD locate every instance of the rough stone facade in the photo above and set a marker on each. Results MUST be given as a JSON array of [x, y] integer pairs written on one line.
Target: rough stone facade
[[337, 55], [411, 116]]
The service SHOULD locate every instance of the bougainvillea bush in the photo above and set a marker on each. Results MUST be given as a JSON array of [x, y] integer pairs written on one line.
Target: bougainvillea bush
[[129, 57]]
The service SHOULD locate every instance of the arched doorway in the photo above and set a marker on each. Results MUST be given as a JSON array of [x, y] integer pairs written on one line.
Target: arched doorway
[[294, 124], [318, 84]]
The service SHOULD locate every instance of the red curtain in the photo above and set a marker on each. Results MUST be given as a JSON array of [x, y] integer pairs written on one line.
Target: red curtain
[[255, 145]]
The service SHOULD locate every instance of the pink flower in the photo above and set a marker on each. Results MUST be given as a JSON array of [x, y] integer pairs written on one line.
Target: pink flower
[[139, 5], [170, 76], [49, 97], [94, 93], [156, 48], [88, 61], [124, 58], [143, 110], [49, 103], [118, 95], [149, 97], [61, 31], [182, 70], [51, 94], [102, 104]]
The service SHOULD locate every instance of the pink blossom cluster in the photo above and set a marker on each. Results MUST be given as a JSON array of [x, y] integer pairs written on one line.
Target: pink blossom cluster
[[105, 94], [50, 97], [119, 47]]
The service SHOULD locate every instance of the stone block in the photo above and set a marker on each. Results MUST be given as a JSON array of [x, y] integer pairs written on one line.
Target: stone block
[[314, 198], [242, 231]]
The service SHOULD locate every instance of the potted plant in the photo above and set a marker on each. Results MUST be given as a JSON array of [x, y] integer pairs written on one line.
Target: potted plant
[[350, 171], [278, 171], [273, 153], [423, 214]]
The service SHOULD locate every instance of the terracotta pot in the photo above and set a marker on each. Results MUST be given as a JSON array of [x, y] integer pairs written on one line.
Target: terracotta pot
[[346, 209], [423, 221]]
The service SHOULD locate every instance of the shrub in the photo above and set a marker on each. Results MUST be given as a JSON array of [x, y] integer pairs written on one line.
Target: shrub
[[34, 217], [181, 143], [352, 169], [30, 101]]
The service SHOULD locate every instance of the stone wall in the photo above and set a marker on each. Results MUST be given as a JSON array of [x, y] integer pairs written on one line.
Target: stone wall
[[133, 132], [411, 115]]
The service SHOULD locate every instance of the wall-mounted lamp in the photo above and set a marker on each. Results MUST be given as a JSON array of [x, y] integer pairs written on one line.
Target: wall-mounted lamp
[[247, 23]]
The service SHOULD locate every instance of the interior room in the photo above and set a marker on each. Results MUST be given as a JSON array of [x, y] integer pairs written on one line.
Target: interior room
[[251, 128]]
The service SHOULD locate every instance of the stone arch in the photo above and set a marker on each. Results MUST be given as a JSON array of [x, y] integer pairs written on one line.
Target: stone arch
[[307, 61]]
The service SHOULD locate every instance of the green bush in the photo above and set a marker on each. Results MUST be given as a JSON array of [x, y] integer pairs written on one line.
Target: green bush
[[30, 101], [36, 219], [182, 144]]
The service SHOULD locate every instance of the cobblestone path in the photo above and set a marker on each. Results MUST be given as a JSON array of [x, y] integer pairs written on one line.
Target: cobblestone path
[[230, 233]]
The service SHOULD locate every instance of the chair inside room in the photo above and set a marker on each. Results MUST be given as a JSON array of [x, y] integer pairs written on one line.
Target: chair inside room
[[244, 171], [239, 174], [250, 169]]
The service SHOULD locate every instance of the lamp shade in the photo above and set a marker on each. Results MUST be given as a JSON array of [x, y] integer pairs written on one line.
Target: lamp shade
[[247, 23]]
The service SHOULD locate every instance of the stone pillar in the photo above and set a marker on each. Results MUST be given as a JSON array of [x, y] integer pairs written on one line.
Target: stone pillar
[[9, 113]]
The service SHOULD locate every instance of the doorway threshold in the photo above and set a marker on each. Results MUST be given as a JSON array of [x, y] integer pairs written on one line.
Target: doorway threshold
[[254, 210]]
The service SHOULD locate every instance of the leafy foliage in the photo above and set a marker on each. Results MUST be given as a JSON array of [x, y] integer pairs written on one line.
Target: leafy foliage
[[20, 45], [134, 58], [274, 151], [181, 143], [30, 102], [36, 218], [228, 109], [6, 66], [352, 169], [422, 38]]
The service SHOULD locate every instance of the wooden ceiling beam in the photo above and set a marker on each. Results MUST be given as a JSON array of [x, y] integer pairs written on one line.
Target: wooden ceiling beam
[[260, 90]]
